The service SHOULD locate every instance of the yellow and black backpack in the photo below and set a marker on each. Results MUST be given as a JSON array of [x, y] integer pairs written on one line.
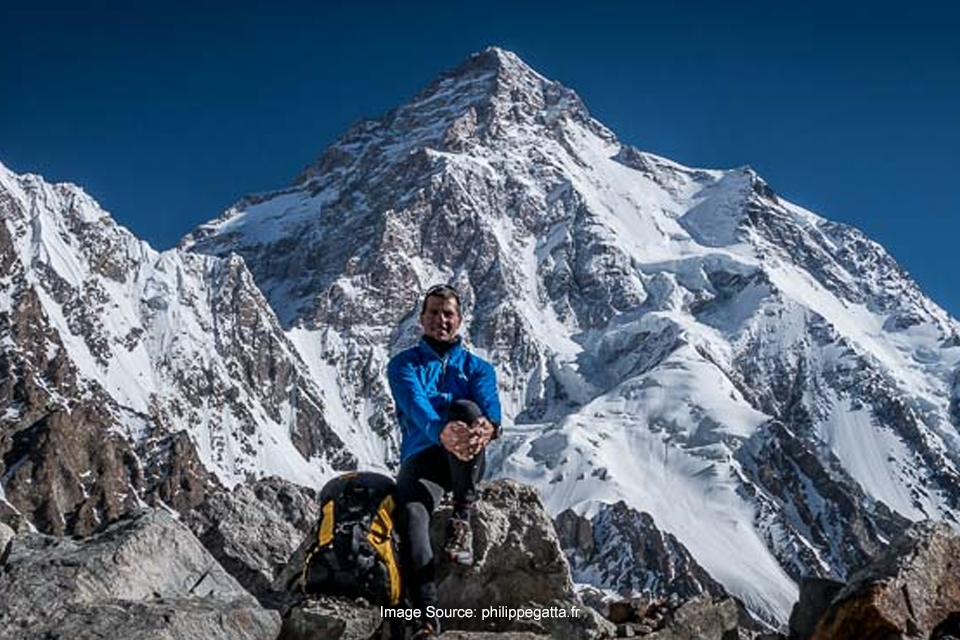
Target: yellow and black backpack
[[355, 550]]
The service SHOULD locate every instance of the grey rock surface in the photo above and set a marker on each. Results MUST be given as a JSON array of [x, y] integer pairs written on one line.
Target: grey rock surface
[[147, 572], [703, 618], [6, 535], [330, 618], [207, 618], [518, 564], [254, 529]]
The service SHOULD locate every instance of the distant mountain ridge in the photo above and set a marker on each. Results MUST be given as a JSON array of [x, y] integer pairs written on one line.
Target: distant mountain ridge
[[764, 383], [107, 341]]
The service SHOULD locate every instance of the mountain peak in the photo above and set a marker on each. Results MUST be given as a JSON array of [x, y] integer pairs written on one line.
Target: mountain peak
[[506, 84], [489, 96], [505, 64]]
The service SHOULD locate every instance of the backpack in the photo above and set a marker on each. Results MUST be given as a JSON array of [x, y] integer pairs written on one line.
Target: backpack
[[354, 553]]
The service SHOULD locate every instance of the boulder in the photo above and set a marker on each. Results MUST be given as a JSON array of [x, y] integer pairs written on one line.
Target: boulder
[[704, 618], [255, 528], [816, 594], [147, 576], [518, 565], [208, 617], [331, 618], [909, 591]]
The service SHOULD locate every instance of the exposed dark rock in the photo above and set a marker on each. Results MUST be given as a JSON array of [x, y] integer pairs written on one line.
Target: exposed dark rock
[[816, 594], [174, 474], [910, 591], [629, 553], [828, 508], [67, 474], [254, 529]]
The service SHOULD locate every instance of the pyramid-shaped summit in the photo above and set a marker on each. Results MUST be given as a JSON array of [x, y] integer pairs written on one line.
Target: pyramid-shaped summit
[[768, 385]]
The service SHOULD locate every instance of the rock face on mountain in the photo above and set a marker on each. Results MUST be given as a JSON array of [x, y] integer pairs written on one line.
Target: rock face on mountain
[[763, 382], [128, 375], [143, 577], [622, 550]]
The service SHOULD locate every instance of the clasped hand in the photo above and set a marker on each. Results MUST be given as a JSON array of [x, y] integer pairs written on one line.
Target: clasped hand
[[466, 440]]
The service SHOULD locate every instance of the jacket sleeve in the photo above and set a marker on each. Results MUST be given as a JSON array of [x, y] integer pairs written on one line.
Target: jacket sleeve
[[411, 398], [483, 390]]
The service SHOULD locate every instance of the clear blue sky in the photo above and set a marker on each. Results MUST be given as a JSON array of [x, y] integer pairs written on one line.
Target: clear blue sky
[[168, 112]]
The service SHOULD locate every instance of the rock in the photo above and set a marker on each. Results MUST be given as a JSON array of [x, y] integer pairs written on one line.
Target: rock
[[829, 507], [703, 618], [620, 612], [949, 629], [9, 515], [173, 619], [6, 535], [487, 635], [327, 618], [68, 473], [575, 533], [147, 572], [50, 478], [254, 529], [518, 564], [517, 554], [909, 591], [623, 549], [815, 596]]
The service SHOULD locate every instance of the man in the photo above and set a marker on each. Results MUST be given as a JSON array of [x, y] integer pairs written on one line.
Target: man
[[449, 411]]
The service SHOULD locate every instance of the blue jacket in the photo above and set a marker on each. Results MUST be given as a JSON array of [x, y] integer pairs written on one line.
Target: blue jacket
[[424, 384]]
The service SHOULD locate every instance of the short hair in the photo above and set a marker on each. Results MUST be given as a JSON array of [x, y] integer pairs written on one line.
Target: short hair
[[444, 292]]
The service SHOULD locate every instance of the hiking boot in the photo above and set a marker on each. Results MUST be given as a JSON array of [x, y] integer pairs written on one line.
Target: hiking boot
[[459, 547]]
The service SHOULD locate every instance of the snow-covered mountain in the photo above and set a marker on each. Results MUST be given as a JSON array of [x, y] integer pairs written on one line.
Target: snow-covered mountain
[[111, 349], [677, 348], [769, 385]]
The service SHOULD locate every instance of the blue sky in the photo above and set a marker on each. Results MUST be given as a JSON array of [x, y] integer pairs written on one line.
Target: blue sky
[[168, 112]]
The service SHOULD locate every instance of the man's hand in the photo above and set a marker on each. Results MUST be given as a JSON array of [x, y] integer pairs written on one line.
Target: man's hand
[[457, 438], [482, 432], [464, 441]]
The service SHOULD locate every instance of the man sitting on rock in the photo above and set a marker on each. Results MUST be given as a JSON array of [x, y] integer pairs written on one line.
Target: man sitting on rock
[[448, 411]]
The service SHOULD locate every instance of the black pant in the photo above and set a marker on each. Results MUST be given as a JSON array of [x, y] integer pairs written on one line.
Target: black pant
[[423, 479]]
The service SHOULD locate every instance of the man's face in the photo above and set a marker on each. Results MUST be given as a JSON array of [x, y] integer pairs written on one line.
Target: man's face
[[440, 319]]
